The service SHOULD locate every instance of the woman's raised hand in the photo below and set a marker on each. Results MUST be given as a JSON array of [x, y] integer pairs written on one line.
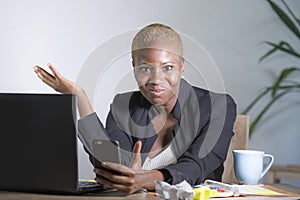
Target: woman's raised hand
[[65, 86], [56, 81]]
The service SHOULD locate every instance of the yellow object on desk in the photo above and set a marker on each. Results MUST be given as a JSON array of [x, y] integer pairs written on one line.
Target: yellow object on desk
[[204, 192], [90, 181]]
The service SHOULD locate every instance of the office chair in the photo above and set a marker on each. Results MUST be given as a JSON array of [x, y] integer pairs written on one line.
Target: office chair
[[238, 142]]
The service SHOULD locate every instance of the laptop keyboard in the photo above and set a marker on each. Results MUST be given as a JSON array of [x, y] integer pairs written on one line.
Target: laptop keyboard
[[90, 186]]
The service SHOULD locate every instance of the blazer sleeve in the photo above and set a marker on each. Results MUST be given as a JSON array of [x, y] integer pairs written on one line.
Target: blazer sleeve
[[91, 128], [195, 168]]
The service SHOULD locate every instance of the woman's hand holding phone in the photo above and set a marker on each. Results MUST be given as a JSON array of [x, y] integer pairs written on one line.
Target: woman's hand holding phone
[[105, 151], [123, 178]]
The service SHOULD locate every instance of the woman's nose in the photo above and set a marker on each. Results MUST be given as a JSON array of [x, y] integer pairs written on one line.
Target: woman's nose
[[156, 76]]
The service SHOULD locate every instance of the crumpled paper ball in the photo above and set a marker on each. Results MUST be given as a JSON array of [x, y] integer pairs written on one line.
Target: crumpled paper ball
[[180, 191]]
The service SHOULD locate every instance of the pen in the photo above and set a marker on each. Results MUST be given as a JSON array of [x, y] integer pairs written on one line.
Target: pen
[[196, 186], [223, 186]]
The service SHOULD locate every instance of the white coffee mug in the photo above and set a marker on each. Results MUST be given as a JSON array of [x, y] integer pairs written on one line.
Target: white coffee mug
[[248, 165]]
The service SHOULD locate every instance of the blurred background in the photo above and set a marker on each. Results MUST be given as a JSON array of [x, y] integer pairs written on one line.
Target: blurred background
[[229, 34]]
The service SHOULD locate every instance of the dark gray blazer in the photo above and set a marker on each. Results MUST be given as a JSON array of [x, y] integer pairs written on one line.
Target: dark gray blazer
[[200, 138]]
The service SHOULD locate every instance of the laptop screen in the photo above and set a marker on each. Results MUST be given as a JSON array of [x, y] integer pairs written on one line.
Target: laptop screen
[[38, 145]]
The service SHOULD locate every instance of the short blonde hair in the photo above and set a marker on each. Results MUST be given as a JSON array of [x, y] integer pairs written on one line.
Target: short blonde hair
[[157, 33]]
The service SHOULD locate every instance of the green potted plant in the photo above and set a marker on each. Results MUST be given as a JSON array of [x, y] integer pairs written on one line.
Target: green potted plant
[[288, 80]]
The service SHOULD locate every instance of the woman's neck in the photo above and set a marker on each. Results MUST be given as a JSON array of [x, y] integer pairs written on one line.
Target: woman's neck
[[167, 108]]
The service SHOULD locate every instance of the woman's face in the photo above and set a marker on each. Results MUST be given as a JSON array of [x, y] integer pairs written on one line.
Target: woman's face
[[158, 73]]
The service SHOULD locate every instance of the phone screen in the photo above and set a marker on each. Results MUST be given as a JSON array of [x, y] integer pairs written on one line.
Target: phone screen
[[106, 150]]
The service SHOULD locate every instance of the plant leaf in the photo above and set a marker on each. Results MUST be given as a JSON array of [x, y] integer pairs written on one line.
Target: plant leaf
[[281, 47], [261, 114], [268, 54], [284, 73], [286, 89], [293, 82], [282, 84], [256, 100], [291, 12], [287, 21]]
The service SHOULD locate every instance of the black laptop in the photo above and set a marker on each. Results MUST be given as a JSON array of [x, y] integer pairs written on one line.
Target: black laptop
[[38, 144]]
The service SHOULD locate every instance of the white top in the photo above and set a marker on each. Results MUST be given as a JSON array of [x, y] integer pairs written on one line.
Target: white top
[[164, 158]]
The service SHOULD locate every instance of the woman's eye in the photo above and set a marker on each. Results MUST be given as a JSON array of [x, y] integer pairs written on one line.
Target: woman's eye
[[144, 69], [168, 68]]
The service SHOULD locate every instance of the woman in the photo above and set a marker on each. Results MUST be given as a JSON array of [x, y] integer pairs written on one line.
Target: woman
[[168, 130]]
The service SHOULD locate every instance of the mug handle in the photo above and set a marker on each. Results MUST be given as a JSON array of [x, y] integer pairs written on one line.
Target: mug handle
[[268, 165]]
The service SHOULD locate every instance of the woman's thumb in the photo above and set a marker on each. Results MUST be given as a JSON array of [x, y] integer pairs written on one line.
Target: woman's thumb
[[136, 159], [137, 147]]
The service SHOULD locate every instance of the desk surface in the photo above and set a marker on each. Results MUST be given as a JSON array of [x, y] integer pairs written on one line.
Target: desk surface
[[286, 187], [109, 195]]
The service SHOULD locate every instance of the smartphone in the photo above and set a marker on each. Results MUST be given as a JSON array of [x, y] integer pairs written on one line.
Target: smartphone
[[106, 150]]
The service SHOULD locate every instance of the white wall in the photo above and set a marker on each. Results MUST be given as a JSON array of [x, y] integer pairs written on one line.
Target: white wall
[[65, 33]]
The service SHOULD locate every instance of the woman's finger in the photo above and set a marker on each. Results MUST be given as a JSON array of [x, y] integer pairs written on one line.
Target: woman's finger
[[54, 71], [119, 168], [122, 188], [46, 79], [116, 178], [136, 162], [43, 72], [137, 147]]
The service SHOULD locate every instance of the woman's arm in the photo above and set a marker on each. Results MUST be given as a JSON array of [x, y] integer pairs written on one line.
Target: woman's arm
[[65, 86], [90, 128], [128, 176]]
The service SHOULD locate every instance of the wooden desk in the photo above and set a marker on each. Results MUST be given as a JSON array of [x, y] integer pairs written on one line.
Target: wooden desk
[[110, 195], [291, 192], [287, 187], [107, 195]]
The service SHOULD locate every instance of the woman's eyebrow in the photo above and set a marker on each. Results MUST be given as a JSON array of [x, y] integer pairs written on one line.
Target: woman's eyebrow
[[145, 63], [165, 63]]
